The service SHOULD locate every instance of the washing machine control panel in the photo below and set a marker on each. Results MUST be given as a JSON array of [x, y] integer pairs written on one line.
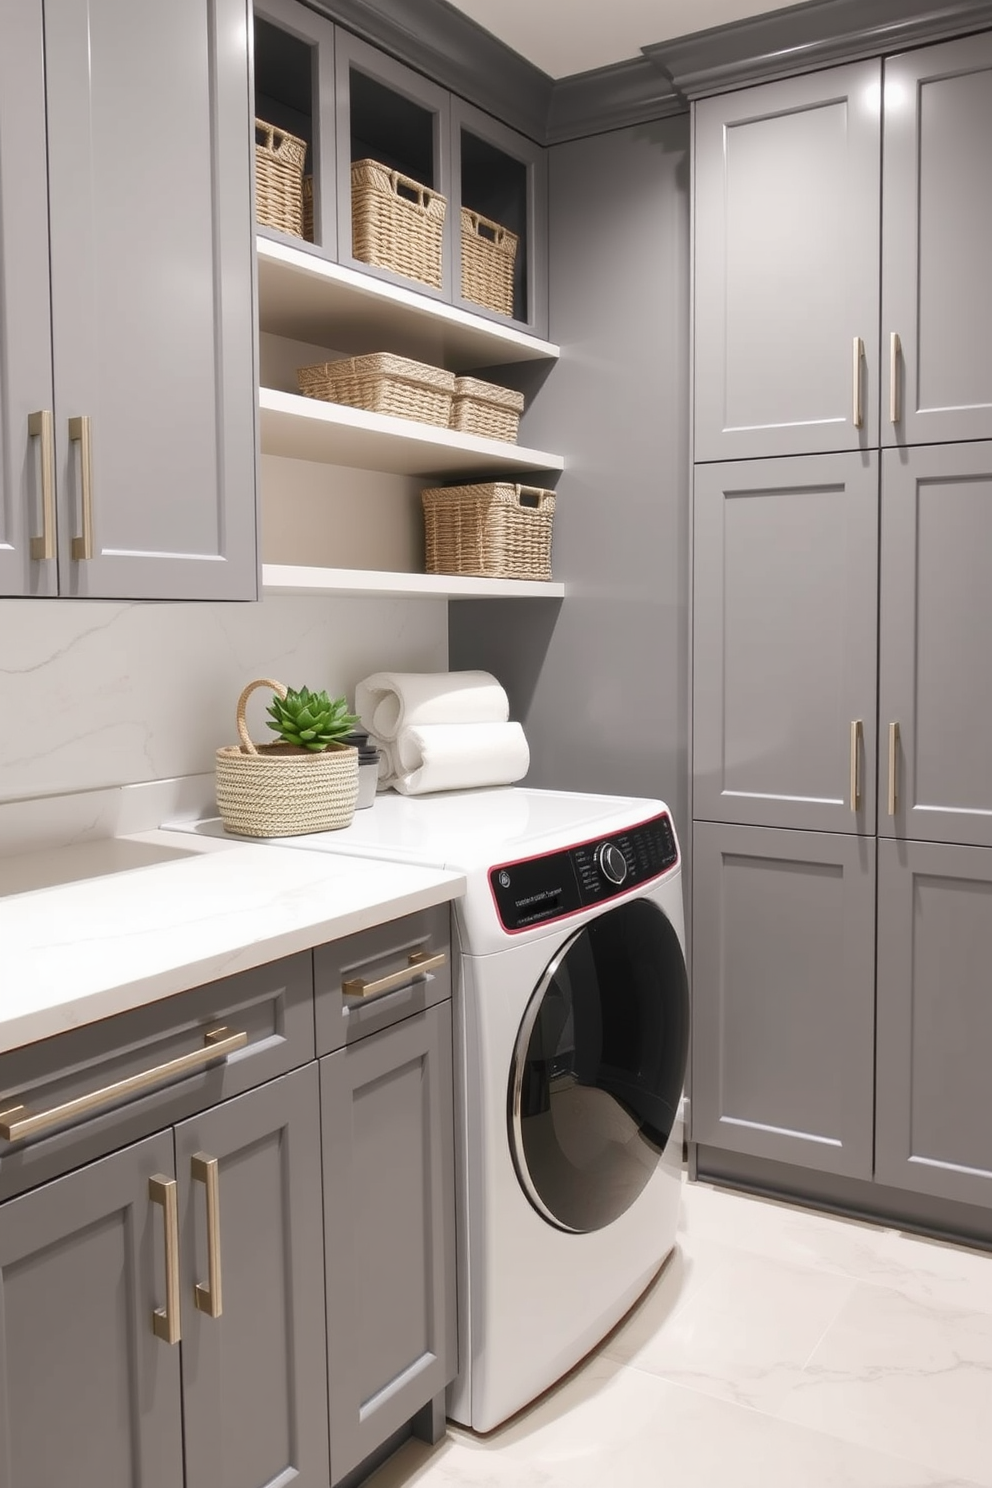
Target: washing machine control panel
[[536, 890]]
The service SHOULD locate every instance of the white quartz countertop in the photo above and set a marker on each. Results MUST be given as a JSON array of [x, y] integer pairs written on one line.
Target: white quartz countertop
[[95, 929]]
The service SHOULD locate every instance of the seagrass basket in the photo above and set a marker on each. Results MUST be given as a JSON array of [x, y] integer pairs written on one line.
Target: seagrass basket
[[492, 529], [382, 382], [489, 251], [277, 790], [308, 208], [486, 408], [279, 158], [396, 223]]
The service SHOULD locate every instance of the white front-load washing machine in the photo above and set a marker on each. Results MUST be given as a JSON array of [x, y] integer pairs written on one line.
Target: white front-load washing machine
[[571, 1014]]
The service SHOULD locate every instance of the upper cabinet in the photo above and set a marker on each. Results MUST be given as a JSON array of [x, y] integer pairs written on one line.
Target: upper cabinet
[[128, 460], [786, 266], [937, 245]]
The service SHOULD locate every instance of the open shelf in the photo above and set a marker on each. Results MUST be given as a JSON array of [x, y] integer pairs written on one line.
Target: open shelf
[[332, 434], [309, 298], [280, 578]]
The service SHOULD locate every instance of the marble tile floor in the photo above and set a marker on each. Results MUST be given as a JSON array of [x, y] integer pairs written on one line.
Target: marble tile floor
[[778, 1348]]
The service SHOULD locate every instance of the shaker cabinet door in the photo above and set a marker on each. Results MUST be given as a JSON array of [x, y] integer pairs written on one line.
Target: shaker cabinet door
[[784, 642], [787, 266], [937, 244], [149, 140], [89, 1394]]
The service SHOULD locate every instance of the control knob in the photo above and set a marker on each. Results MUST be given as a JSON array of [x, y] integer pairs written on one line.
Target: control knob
[[611, 862]]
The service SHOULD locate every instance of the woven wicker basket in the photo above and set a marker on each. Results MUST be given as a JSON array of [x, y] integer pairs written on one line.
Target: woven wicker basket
[[383, 383], [279, 161], [276, 790], [308, 208], [488, 254], [486, 408], [493, 530], [395, 222]]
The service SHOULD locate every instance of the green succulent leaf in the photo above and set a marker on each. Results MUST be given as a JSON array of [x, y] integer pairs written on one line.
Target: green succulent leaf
[[310, 719]]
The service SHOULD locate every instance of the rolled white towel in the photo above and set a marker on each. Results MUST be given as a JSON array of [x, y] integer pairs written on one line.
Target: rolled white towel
[[387, 702], [459, 756], [389, 765]]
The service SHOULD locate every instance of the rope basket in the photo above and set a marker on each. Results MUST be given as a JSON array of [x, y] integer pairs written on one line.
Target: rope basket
[[488, 254], [485, 408], [492, 530], [396, 223], [278, 790], [279, 158], [382, 382]]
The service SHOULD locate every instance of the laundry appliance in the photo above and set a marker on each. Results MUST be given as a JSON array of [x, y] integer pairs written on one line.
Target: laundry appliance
[[571, 1014]]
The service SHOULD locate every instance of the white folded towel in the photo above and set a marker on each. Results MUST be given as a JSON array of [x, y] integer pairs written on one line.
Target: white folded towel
[[389, 701], [459, 756]]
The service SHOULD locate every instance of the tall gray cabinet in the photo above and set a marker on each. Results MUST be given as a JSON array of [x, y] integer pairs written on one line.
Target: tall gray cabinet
[[842, 727], [127, 442]]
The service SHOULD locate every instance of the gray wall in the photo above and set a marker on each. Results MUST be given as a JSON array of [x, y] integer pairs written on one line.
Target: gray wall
[[600, 681]]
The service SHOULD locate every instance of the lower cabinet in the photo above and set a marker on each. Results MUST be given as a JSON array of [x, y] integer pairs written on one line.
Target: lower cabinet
[[389, 1230]]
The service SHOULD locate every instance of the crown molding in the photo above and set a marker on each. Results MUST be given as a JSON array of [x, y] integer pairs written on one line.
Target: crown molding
[[614, 97], [800, 38]]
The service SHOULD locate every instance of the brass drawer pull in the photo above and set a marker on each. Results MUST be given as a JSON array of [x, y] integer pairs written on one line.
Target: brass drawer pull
[[209, 1299], [858, 358], [893, 768], [857, 736], [895, 347], [79, 433], [165, 1320], [17, 1123], [40, 427], [420, 962]]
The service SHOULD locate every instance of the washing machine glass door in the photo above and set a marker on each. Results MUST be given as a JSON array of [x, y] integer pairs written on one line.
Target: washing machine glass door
[[598, 1067]]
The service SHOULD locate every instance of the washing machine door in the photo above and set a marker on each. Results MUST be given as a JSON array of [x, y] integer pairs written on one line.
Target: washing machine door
[[599, 1066]]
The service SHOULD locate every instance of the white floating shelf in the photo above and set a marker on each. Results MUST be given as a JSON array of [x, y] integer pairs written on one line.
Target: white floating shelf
[[309, 298], [331, 434], [278, 578]]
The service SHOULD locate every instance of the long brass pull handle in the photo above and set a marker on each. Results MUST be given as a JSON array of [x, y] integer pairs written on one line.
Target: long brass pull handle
[[420, 962], [893, 768], [165, 1320], [858, 358], [209, 1299], [79, 433], [857, 734], [17, 1123], [40, 427], [895, 347]]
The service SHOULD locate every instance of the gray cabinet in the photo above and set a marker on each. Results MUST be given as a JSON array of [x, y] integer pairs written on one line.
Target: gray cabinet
[[933, 1133], [253, 1356], [88, 1392], [386, 1127], [937, 244], [935, 620], [151, 392], [783, 995], [787, 266], [784, 643]]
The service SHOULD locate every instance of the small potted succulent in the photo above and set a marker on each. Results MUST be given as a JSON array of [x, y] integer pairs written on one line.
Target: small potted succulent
[[307, 782]]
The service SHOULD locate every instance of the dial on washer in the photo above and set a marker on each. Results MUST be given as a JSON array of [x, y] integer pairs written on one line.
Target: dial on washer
[[611, 862]]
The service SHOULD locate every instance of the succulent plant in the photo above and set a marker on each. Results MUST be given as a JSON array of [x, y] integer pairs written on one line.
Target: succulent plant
[[310, 720]]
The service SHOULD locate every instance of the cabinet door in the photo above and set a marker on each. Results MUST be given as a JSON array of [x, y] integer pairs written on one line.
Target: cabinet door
[[254, 1377], [786, 276], [784, 641], [933, 1133], [88, 1393], [783, 995], [937, 244], [149, 176], [386, 1123], [25, 316], [935, 778]]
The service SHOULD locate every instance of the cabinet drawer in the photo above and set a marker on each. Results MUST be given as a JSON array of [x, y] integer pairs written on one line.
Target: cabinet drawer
[[368, 981], [271, 1005]]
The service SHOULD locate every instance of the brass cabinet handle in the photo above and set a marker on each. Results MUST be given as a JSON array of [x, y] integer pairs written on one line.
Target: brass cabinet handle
[[420, 962], [165, 1320], [857, 734], [893, 768], [209, 1298], [40, 427], [858, 358], [17, 1123], [79, 433], [895, 347]]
